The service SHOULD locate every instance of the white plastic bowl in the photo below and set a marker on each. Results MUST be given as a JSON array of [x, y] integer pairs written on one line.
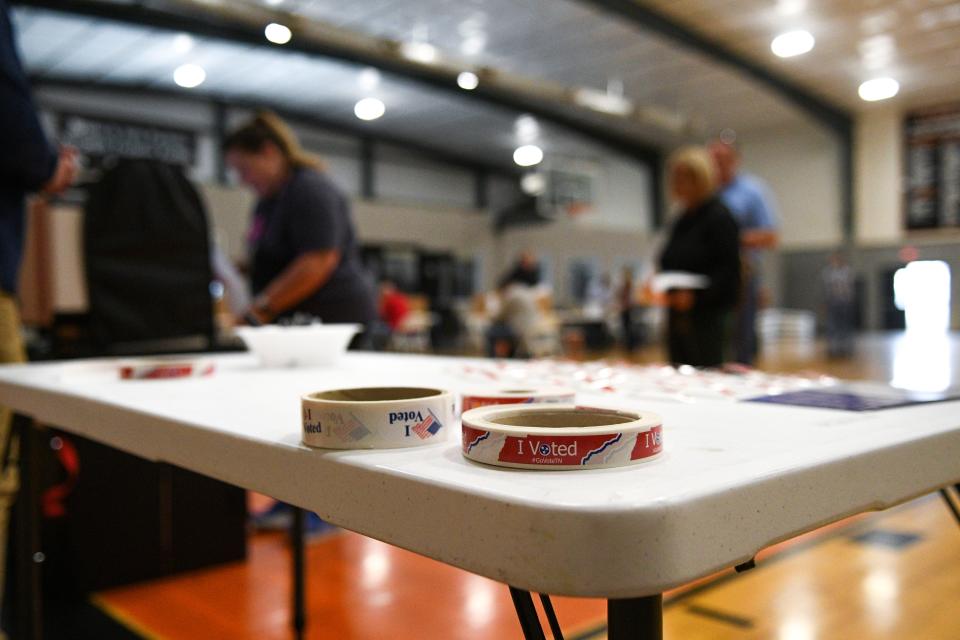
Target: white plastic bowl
[[298, 346]]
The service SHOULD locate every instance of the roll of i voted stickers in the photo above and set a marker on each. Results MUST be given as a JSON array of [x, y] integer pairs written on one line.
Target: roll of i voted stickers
[[484, 398], [560, 436], [376, 417], [165, 368]]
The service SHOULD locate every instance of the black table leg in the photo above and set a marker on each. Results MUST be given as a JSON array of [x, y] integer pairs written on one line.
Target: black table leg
[[527, 613], [635, 618], [551, 617], [29, 556], [297, 534], [953, 508]]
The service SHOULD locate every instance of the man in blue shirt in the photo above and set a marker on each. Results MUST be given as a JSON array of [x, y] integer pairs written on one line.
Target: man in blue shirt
[[751, 204]]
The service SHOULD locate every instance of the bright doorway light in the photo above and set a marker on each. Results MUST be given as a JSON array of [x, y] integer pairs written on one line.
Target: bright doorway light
[[922, 290], [792, 43], [879, 89], [277, 33], [189, 76], [369, 109], [528, 155]]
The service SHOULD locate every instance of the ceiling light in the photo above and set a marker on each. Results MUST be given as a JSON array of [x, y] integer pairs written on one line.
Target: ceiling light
[[603, 101], [189, 76], [468, 80], [792, 43], [273, 3], [419, 51], [369, 109], [879, 89], [277, 33], [528, 155], [182, 42]]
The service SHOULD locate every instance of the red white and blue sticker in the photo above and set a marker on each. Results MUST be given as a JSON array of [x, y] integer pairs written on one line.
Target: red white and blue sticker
[[532, 450], [160, 369], [550, 395], [376, 425]]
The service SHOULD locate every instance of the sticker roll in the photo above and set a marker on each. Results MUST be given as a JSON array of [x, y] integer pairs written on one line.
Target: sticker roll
[[560, 436], [376, 417], [538, 395], [165, 368]]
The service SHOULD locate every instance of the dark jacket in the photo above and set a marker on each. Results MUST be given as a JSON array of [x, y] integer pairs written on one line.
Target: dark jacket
[[27, 159], [706, 240]]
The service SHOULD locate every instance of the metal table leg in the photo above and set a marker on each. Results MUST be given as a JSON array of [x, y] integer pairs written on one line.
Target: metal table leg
[[297, 534], [953, 508], [28, 612], [527, 613], [635, 618]]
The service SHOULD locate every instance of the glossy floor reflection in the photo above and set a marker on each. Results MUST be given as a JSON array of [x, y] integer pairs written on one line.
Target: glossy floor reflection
[[892, 575]]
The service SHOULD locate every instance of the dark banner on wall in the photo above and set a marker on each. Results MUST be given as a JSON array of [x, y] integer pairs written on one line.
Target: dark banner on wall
[[933, 168], [99, 138]]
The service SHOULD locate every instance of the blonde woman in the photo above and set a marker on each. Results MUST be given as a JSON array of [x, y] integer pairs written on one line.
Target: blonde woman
[[704, 240], [303, 247]]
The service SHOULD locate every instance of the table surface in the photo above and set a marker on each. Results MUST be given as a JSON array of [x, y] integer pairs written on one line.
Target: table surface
[[734, 476]]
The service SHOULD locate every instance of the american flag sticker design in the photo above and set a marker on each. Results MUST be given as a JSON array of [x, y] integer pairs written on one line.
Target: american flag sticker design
[[347, 427], [428, 427]]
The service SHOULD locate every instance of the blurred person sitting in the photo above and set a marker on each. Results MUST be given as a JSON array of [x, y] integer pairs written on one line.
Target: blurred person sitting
[[302, 240], [704, 240], [394, 305], [518, 316], [751, 203], [526, 271]]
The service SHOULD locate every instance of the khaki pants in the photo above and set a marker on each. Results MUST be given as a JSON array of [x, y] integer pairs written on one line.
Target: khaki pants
[[11, 350]]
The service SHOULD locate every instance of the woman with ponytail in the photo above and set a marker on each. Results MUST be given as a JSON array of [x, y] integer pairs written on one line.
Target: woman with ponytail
[[303, 247]]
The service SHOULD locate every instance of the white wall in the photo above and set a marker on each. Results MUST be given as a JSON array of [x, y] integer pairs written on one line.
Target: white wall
[[802, 168]]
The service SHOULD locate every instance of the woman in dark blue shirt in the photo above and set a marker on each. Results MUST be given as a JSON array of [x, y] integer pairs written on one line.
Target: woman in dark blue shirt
[[304, 255]]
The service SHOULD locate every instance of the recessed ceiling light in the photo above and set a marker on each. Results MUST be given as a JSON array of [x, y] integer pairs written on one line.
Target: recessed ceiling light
[[278, 33], [528, 155], [273, 3], [468, 80], [879, 89], [419, 51], [369, 109], [189, 76], [792, 43]]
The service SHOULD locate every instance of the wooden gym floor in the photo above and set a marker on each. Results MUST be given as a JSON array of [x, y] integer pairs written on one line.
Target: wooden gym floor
[[889, 575]]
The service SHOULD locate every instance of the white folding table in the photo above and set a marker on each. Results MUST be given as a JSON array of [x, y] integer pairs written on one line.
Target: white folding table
[[734, 477]]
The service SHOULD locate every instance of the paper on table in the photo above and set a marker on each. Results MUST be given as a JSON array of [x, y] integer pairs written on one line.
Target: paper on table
[[667, 280]]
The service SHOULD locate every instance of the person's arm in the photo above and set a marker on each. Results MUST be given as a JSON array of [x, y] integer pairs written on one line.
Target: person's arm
[[759, 238], [296, 283], [763, 233], [28, 160]]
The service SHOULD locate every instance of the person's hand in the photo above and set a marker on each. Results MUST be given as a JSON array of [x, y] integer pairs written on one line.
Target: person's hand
[[649, 296], [65, 172], [681, 299]]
